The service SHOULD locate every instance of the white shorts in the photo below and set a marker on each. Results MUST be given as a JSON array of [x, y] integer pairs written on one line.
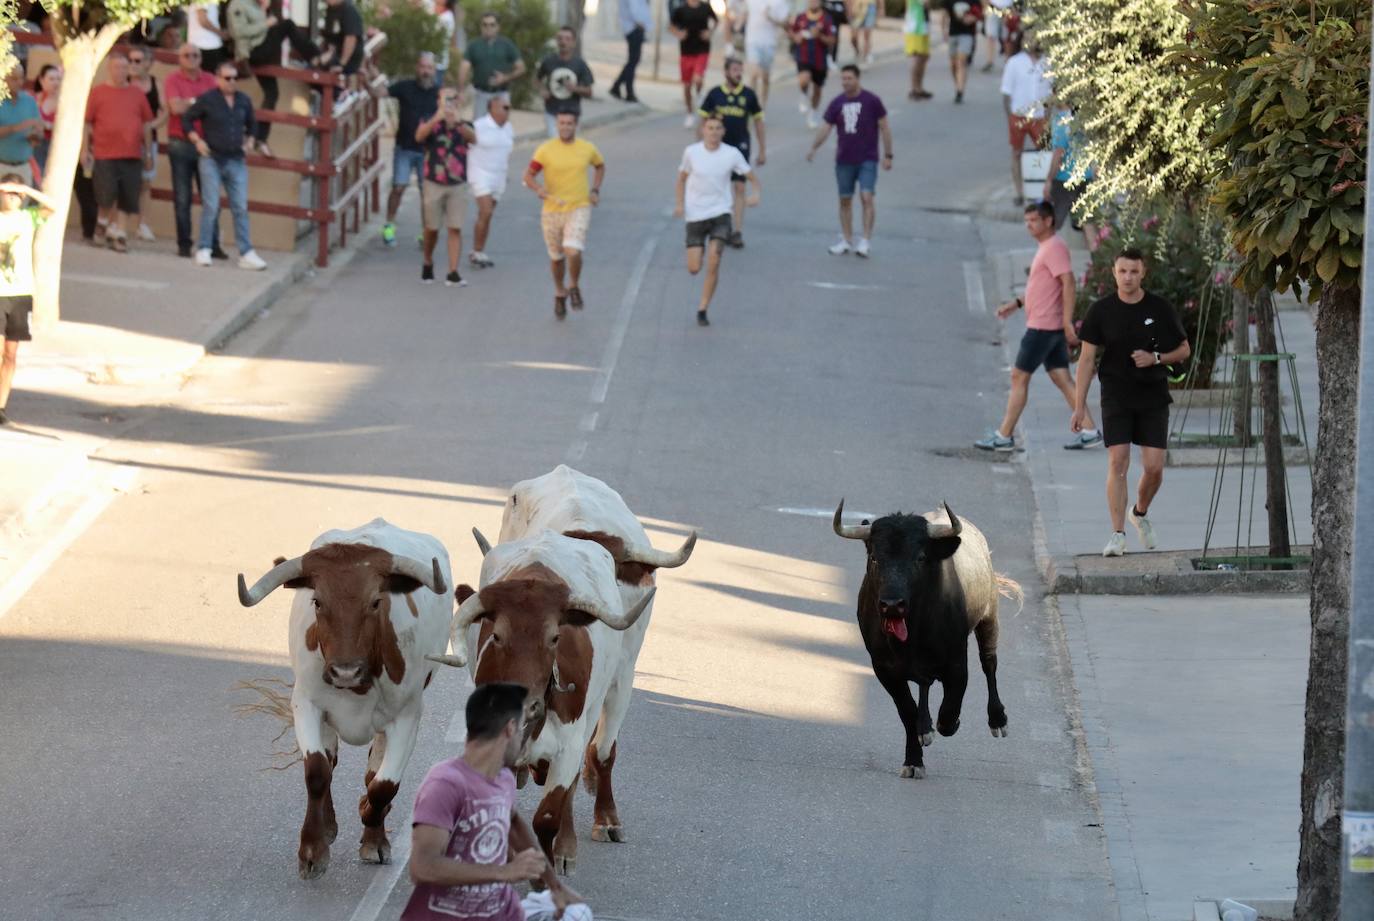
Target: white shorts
[[760, 55], [483, 184], [538, 906]]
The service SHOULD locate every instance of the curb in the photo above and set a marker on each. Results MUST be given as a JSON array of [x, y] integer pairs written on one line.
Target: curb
[[233, 321], [1065, 576]]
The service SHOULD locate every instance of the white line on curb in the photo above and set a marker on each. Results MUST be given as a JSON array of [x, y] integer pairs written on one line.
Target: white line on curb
[[973, 285]]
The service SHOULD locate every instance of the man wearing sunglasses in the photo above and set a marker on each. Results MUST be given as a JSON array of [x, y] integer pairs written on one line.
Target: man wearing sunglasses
[[220, 124], [184, 86], [488, 160], [491, 62]]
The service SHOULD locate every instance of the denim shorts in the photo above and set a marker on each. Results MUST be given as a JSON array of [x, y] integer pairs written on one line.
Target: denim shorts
[[864, 175], [1048, 347], [407, 163]]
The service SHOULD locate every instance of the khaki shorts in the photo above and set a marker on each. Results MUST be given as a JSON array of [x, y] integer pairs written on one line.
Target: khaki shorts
[[565, 230], [445, 204]]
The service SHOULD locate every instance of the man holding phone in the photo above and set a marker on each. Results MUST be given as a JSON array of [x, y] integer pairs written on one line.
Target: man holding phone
[[443, 196]]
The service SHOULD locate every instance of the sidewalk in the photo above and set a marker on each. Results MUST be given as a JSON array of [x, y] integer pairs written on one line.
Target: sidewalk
[[1191, 706]]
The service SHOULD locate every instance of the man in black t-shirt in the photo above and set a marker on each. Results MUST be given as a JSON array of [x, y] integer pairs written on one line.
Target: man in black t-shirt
[[1137, 335], [692, 25], [343, 33], [417, 99], [964, 20], [737, 106], [564, 80]]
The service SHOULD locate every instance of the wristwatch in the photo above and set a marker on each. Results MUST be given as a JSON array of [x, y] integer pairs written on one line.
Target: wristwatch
[[1157, 361]]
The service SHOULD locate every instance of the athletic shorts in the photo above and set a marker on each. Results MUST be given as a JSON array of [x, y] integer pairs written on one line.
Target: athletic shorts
[[961, 45], [864, 175], [692, 67], [760, 56], [486, 185], [870, 17], [16, 310], [1047, 347], [117, 184], [565, 230], [404, 165], [818, 72], [1020, 127], [917, 45], [444, 205], [1122, 425], [713, 228]]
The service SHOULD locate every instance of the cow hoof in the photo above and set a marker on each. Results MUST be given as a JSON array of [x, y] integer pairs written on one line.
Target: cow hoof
[[999, 732], [947, 730], [614, 833], [374, 847], [563, 864], [314, 869], [912, 771], [926, 738]]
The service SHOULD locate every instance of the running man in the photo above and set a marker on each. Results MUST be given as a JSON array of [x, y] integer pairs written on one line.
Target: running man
[[861, 118], [488, 160], [692, 24], [709, 169], [813, 35], [964, 19], [761, 27], [568, 203], [737, 108], [916, 34]]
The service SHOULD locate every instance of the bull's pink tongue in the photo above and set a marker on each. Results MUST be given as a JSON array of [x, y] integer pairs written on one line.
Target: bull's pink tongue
[[895, 626]]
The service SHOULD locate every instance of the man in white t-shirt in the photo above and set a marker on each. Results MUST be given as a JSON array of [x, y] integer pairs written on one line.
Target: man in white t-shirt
[[706, 199], [761, 26], [488, 159], [1025, 90], [203, 30]]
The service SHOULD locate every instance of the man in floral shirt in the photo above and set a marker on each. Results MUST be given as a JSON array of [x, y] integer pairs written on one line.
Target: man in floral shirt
[[445, 137]]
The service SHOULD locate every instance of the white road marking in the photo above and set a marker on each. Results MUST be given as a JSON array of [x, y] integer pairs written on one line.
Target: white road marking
[[973, 285], [589, 421], [823, 513], [115, 281], [840, 286], [576, 451], [622, 319], [309, 436], [384, 882], [120, 481], [1002, 469]]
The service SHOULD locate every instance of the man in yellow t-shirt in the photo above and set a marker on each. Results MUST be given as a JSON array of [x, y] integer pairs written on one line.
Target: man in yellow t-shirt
[[568, 202]]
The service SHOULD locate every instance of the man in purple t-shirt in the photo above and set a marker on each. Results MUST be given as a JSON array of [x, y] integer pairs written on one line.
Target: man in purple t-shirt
[[465, 822], [860, 118]]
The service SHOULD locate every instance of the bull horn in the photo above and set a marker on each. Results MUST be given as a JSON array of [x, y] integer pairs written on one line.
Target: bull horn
[[662, 559], [853, 532], [276, 577], [482, 543], [429, 576], [626, 620], [468, 612], [942, 531]]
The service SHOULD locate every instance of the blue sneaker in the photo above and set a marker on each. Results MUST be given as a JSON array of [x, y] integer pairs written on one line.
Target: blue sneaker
[[995, 441], [389, 234], [1084, 440]]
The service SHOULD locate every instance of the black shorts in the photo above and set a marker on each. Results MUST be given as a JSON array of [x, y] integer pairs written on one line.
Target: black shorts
[[744, 151], [1047, 347], [1122, 425], [16, 311], [818, 74], [117, 183], [838, 12], [714, 228]]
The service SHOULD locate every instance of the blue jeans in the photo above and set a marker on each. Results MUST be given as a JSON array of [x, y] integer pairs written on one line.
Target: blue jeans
[[864, 175], [231, 174], [405, 165]]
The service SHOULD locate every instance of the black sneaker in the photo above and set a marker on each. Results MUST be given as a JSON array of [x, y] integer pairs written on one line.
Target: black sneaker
[[184, 252], [615, 91], [959, 97], [701, 318], [427, 274], [736, 239], [560, 305], [218, 253], [575, 297], [455, 280]]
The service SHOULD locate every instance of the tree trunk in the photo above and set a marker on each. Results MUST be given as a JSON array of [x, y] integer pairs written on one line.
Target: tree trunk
[[1275, 484], [81, 56], [1240, 383], [1333, 520]]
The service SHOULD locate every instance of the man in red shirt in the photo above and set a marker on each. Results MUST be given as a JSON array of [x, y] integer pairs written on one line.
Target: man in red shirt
[[117, 147], [184, 86]]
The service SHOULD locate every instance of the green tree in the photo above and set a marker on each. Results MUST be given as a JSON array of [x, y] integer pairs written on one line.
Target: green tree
[[84, 33], [410, 29], [1289, 80]]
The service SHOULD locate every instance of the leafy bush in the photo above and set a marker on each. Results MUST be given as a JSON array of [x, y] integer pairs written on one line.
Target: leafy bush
[[410, 29], [1183, 255], [525, 22]]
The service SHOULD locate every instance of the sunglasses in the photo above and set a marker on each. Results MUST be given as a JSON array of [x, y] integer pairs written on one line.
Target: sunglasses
[[135, 60], [228, 76]]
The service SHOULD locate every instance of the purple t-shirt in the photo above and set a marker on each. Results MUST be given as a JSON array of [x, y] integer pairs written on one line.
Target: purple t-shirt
[[476, 811], [856, 126]]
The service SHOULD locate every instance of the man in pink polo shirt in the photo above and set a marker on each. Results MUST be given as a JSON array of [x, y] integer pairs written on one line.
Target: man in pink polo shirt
[[1048, 303]]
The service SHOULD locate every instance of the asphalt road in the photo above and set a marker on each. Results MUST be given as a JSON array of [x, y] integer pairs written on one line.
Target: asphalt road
[[758, 768]]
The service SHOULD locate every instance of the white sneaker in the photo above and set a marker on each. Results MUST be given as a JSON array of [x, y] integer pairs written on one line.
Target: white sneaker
[[1116, 545], [861, 248], [803, 106], [146, 233], [252, 261], [1143, 528], [839, 248], [689, 122], [812, 121], [203, 257]]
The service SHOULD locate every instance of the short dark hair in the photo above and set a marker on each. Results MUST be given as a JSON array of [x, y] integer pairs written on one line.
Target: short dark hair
[[569, 29], [219, 69], [1042, 208], [850, 68], [1131, 253], [491, 707]]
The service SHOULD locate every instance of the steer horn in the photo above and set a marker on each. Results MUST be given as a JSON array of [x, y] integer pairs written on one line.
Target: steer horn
[[662, 559], [853, 532], [942, 531], [468, 612], [276, 576], [428, 576], [482, 543], [624, 621]]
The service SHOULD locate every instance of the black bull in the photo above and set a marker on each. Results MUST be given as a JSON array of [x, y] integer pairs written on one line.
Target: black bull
[[927, 585]]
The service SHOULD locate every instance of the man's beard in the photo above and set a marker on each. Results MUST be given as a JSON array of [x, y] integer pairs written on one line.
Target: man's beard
[[425, 82]]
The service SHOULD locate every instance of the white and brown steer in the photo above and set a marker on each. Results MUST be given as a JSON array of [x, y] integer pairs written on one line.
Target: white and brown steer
[[373, 602], [564, 603]]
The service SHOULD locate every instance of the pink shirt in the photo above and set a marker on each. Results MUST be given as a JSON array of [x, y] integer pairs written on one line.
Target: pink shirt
[[178, 86], [476, 813], [1044, 291]]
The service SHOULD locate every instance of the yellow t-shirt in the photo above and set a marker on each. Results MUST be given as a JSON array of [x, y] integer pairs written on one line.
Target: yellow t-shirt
[[564, 166]]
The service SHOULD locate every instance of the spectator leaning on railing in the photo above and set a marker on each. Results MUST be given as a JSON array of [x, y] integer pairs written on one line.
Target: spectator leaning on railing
[[117, 147], [21, 125], [257, 40], [203, 30], [343, 35], [224, 135], [184, 86]]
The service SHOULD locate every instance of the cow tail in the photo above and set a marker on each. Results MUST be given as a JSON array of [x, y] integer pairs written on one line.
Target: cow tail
[[1010, 588]]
